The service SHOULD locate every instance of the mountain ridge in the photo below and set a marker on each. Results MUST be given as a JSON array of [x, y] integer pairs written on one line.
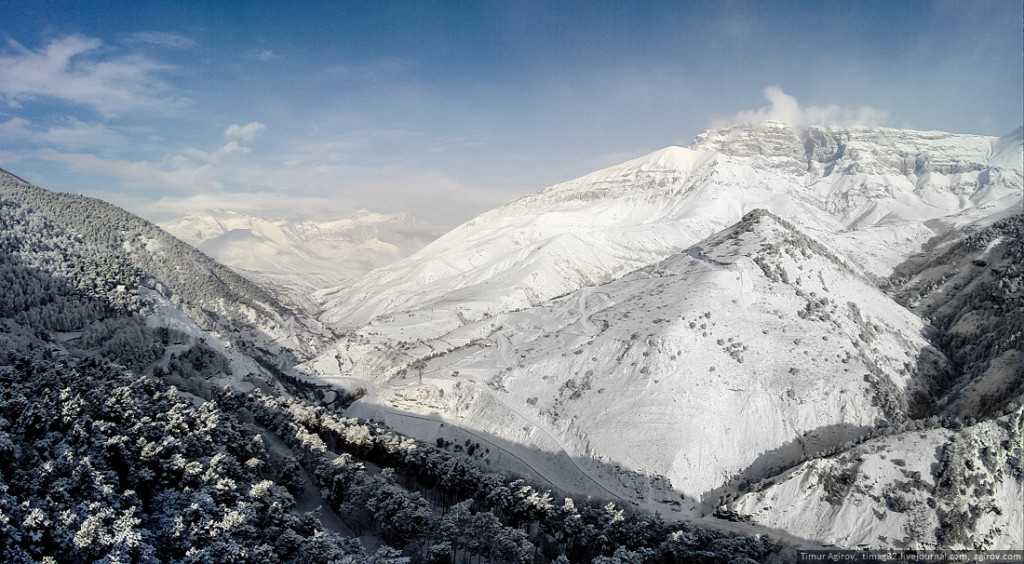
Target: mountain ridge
[[720, 274], [604, 224], [625, 303]]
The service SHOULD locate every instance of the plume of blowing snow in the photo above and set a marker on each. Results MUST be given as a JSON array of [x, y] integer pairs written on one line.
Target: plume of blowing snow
[[786, 109]]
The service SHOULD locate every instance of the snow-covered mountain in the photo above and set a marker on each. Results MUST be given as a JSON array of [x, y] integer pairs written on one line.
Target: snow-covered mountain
[[182, 281], [815, 333], [652, 355], [869, 191], [293, 259], [924, 484], [643, 332]]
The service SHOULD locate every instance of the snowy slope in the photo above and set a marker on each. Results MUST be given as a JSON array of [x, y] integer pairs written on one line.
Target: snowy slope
[[918, 489], [638, 333], [295, 258], [160, 279], [1008, 151], [874, 193], [734, 358]]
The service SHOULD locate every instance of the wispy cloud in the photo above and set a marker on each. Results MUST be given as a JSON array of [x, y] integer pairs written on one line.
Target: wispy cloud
[[79, 146], [263, 55], [161, 39], [141, 173], [73, 69], [71, 134], [787, 109], [324, 193], [11, 157], [270, 205]]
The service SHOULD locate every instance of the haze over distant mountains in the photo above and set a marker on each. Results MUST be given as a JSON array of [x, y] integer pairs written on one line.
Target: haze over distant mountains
[[296, 258]]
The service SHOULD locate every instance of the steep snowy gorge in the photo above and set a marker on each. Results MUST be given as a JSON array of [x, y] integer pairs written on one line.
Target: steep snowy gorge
[[679, 328], [932, 482]]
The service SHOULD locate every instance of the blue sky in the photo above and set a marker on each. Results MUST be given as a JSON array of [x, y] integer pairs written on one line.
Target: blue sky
[[446, 109]]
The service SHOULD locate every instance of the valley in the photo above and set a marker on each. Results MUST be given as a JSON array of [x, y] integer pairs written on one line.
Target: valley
[[809, 336]]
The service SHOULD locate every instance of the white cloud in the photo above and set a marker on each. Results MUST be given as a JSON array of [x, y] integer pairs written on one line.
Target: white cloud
[[236, 135], [142, 173], [232, 147], [785, 108], [243, 133], [10, 157], [270, 205], [329, 187], [192, 155], [323, 195], [429, 195], [70, 69], [83, 148]]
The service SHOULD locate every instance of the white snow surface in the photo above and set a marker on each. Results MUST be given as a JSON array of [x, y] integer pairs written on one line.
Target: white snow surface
[[688, 372], [894, 499]]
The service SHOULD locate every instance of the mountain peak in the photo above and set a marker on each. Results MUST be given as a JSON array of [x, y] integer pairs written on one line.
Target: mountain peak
[[829, 180], [668, 158]]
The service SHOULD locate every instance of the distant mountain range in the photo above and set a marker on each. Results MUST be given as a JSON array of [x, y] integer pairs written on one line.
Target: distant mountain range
[[294, 259]]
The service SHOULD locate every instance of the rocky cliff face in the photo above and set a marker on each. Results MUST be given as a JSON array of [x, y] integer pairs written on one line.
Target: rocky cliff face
[[864, 175]]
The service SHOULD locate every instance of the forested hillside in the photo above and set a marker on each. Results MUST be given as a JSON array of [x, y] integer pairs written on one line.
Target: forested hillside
[[972, 290], [129, 251]]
